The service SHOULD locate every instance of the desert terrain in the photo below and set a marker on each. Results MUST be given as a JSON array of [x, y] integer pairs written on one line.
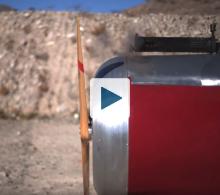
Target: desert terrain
[[39, 111]]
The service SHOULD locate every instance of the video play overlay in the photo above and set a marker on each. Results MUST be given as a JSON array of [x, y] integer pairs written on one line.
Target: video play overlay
[[110, 98]]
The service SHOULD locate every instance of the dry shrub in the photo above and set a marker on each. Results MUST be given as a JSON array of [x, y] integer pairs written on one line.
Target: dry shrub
[[27, 29], [98, 29], [42, 56], [44, 87], [4, 90], [9, 45]]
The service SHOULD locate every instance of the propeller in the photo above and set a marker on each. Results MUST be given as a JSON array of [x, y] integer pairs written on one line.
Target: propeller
[[84, 131]]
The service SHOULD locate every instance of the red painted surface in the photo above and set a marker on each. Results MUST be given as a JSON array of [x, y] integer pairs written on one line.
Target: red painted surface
[[174, 140], [80, 66]]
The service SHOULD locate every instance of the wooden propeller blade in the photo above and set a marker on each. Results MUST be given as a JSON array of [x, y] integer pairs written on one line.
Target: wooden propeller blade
[[84, 132], [85, 167], [82, 90]]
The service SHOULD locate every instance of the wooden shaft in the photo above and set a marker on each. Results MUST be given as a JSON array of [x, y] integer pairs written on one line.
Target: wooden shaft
[[79, 46], [85, 166], [84, 133]]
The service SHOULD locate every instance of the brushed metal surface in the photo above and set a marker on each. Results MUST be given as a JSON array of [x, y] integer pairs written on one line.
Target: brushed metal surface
[[110, 140], [189, 70], [110, 158], [110, 148]]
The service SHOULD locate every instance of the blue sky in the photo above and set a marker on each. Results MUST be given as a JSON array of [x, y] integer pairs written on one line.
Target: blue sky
[[68, 5]]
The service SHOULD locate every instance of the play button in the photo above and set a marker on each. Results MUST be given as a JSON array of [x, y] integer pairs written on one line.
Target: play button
[[108, 98]]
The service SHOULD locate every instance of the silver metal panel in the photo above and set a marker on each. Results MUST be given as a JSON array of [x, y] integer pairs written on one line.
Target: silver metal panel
[[110, 150], [192, 70], [110, 158]]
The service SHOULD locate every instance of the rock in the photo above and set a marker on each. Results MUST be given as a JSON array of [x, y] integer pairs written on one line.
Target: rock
[[76, 117], [3, 178], [71, 35], [18, 133], [27, 14]]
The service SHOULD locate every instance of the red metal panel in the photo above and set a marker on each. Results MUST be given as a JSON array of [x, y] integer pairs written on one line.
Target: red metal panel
[[174, 140]]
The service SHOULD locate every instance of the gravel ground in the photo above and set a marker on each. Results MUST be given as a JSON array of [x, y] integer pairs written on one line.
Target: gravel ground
[[40, 157]]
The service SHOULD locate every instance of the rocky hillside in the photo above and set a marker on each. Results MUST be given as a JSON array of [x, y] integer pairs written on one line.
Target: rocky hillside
[[190, 7], [6, 8], [38, 75]]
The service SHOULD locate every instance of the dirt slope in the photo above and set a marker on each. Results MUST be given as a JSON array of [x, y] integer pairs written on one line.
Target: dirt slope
[[38, 75], [189, 7]]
